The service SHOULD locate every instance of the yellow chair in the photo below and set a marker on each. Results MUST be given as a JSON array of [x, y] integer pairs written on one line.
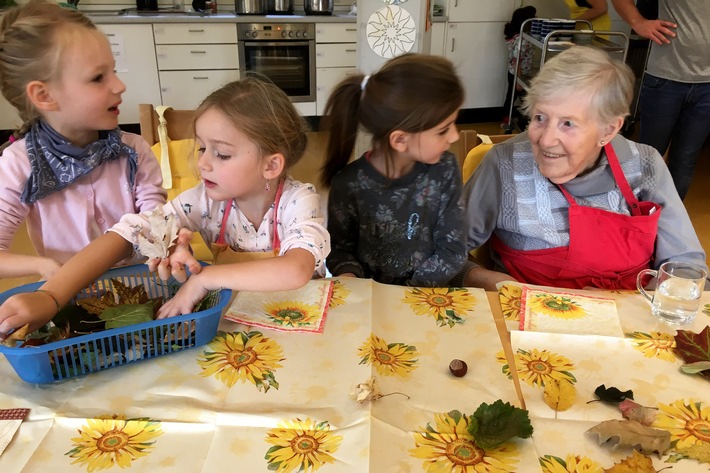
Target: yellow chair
[[181, 150], [476, 150]]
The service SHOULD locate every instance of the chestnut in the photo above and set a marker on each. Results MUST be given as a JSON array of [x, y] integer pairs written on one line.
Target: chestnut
[[458, 368]]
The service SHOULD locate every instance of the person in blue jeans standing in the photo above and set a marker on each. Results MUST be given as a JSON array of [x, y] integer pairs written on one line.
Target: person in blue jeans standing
[[674, 100]]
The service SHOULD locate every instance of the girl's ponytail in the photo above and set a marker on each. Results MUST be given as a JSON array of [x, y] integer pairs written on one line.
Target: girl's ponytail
[[341, 120]]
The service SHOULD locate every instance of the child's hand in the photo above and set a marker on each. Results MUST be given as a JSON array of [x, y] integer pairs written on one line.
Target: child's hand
[[48, 267], [180, 257], [34, 308], [185, 300]]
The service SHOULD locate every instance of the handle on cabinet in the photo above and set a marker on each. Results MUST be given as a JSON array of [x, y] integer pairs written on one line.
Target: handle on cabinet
[[200, 78], [351, 50], [456, 3], [453, 41], [196, 31], [350, 29], [198, 52]]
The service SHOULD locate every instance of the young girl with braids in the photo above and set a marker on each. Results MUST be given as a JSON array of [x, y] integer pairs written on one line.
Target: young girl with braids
[[70, 173], [395, 214]]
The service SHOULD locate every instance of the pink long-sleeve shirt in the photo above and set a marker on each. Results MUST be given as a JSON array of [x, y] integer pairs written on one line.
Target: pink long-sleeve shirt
[[66, 221]]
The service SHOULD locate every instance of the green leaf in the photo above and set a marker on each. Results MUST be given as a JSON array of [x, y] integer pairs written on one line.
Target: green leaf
[[697, 367], [129, 314], [493, 424]]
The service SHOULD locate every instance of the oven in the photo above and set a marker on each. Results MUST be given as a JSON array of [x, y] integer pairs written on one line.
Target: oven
[[284, 52]]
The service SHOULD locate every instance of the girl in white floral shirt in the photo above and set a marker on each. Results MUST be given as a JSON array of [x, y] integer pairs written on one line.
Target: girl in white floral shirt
[[248, 134]]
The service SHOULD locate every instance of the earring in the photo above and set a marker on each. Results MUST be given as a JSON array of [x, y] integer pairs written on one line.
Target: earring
[[267, 187], [602, 143]]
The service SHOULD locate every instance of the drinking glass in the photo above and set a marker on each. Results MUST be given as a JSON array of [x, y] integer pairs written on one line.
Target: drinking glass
[[679, 286]]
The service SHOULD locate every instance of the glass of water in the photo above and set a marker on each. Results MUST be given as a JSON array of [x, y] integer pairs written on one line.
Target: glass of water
[[679, 286]]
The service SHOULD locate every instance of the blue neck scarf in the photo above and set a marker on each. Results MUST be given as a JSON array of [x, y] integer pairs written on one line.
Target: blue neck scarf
[[56, 162]]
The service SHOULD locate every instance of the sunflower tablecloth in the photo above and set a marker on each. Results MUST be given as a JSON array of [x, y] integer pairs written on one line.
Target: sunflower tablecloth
[[256, 400], [643, 361]]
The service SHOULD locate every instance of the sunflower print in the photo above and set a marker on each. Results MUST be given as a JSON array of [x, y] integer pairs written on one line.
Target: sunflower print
[[448, 447], [509, 295], [537, 366], [232, 357], [105, 442], [292, 313], [446, 304], [654, 344], [706, 309], [394, 359], [301, 445], [340, 293], [572, 464], [687, 421], [561, 307]]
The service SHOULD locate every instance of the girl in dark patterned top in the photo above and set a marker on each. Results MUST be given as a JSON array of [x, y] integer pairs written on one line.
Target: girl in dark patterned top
[[395, 214]]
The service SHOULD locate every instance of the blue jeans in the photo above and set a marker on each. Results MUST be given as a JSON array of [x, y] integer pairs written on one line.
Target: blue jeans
[[678, 114]]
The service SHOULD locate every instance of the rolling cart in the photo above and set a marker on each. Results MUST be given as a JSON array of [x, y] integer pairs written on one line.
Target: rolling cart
[[549, 44]]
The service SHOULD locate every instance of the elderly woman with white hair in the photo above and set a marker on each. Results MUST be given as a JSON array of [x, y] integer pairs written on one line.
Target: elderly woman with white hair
[[570, 202]]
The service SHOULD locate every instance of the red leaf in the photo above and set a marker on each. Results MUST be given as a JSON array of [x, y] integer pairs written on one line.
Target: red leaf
[[694, 347]]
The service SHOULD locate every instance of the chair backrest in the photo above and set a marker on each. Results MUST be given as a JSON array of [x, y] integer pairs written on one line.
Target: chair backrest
[[179, 123], [467, 140]]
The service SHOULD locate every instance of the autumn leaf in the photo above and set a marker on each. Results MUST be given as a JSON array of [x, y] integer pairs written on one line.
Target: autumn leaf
[[699, 451], [559, 394], [18, 335], [612, 394], [367, 391], [629, 433], [636, 463], [156, 239], [129, 295], [694, 347], [129, 314], [96, 305], [493, 424], [697, 367], [634, 411]]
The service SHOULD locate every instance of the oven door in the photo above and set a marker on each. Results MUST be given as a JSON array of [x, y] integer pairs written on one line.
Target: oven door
[[289, 64]]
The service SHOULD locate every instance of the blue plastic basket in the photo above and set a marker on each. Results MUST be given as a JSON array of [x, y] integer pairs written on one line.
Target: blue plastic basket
[[117, 346]]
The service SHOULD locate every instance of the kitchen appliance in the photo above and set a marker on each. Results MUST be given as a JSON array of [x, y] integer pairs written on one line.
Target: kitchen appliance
[[283, 52], [279, 7], [318, 7], [250, 7]]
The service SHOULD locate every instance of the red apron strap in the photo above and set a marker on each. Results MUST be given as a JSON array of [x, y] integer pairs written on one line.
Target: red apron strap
[[276, 241], [568, 196], [220, 238], [621, 181]]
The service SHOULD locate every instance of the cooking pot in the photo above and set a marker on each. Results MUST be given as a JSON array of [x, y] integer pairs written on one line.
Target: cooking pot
[[250, 7], [318, 7], [279, 7]]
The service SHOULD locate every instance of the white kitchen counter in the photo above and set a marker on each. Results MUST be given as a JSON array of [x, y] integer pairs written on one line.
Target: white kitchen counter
[[133, 17]]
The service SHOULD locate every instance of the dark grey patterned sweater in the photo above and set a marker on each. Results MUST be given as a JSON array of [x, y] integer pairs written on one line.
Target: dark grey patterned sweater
[[407, 231]]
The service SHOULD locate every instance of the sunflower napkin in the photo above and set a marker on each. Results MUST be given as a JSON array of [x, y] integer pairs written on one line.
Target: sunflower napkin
[[563, 311], [301, 310]]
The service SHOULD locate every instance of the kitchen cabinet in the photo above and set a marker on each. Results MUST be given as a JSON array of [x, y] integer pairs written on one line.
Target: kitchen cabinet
[[9, 118], [438, 38], [480, 55], [194, 59], [132, 46], [336, 57]]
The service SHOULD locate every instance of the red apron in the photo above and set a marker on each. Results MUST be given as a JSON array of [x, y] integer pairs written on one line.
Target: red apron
[[223, 254], [606, 249]]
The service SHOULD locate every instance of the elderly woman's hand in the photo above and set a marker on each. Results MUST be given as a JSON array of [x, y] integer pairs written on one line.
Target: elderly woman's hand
[[485, 278]]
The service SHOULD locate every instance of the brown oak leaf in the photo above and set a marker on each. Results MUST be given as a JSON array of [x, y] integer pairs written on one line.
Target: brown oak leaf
[[629, 433], [636, 463], [694, 347], [129, 295], [96, 305], [634, 411]]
